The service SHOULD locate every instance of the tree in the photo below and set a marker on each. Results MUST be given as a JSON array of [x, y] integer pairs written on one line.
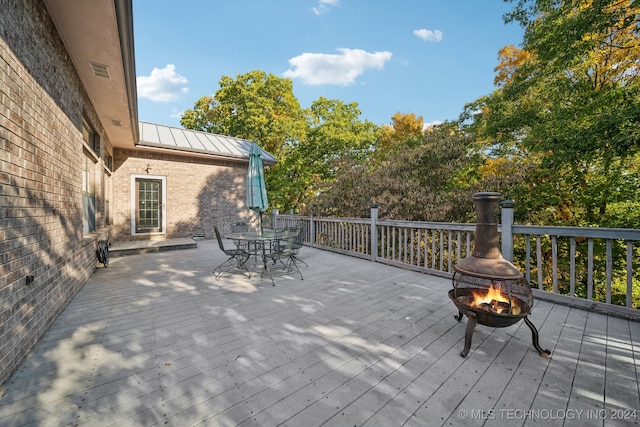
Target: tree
[[334, 134], [425, 182], [306, 143], [405, 131], [256, 106], [350, 195], [567, 104], [510, 60]]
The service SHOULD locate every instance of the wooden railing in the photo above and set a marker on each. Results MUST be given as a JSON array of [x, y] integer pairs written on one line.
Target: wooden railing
[[592, 265], [594, 268]]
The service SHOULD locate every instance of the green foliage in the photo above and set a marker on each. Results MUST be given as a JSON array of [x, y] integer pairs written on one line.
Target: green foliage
[[255, 106], [405, 131], [306, 143], [421, 183], [568, 106], [334, 134], [624, 214], [350, 195]]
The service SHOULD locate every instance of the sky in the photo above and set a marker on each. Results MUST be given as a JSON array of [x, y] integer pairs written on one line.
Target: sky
[[426, 57]]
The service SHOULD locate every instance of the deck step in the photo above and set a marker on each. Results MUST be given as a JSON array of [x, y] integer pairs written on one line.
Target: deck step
[[146, 246]]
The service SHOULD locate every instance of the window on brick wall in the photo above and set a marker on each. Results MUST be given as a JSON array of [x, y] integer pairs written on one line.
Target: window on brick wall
[[108, 189], [88, 181], [91, 138], [88, 195], [108, 161]]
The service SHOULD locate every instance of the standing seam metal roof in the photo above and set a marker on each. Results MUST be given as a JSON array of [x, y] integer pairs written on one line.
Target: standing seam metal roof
[[161, 136]]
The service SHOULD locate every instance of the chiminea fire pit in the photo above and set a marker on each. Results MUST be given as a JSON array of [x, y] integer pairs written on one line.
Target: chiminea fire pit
[[487, 288]]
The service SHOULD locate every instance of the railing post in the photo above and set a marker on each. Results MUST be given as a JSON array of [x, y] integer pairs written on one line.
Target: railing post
[[374, 232], [507, 233], [312, 230], [274, 217]]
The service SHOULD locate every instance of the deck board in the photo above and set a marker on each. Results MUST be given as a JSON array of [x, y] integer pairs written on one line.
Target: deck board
[[621, 386], [589, 379], [155, 340]]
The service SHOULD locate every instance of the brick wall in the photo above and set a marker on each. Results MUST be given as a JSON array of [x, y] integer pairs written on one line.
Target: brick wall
[[41, 152], [201, 192]]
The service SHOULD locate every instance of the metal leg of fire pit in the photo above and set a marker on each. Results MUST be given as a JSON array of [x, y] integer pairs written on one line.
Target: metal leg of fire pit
[[459, 316], [471, 326], [536, 343]]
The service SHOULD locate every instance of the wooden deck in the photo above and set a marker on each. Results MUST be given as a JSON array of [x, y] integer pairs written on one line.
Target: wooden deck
[[154, 339]]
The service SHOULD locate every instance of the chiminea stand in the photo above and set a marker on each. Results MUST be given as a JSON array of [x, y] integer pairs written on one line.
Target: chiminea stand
[[493, 320]]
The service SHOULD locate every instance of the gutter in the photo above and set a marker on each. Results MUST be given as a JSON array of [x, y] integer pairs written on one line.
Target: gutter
[[124, 18]]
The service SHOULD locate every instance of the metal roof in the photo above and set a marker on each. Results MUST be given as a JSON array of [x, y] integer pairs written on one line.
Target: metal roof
[[193, 141]]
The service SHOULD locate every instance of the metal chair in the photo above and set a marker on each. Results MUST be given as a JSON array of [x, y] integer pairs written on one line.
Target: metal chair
[[298, 243], [285, 251], [240, 227], [237, 258], [266, 221]]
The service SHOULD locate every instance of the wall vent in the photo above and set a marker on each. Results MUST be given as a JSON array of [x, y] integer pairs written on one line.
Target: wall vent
[[100, 70]]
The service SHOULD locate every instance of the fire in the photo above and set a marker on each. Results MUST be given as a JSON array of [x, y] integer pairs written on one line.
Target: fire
[[485, 297], [494, 300]]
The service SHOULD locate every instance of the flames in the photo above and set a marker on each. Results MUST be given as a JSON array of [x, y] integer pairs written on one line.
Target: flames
[[494, 300], [486, 297]]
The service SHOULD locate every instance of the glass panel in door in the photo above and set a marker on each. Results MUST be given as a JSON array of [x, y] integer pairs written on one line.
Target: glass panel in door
[[148, 205]]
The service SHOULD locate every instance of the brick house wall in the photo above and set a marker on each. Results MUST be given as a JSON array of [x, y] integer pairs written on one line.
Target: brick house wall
[[41, 160], [201, 192]]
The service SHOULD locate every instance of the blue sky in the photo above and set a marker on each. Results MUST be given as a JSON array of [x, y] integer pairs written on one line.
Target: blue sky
[[427, 57]]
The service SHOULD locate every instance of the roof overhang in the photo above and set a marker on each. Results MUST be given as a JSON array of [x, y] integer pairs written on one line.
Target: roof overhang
[[99, 38]]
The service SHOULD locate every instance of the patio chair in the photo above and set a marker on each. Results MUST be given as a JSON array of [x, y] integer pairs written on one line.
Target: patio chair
[[280, 244], [266, 222], [237, 258], [285, 251], [298, 242], [240, 227]]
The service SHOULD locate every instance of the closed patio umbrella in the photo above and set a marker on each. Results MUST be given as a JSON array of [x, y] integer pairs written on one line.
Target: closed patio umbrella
[[256, 188]]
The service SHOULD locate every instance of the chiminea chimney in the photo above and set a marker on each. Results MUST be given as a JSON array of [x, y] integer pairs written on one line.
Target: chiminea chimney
[[486, 260]]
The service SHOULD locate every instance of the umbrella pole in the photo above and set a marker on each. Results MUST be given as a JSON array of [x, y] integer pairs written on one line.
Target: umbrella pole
[[260, 221]]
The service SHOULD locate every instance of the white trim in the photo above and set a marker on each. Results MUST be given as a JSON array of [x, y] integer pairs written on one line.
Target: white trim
[[133, 204]]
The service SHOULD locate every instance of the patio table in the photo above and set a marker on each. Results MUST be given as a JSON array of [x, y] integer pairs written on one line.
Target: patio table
[[262, 243]]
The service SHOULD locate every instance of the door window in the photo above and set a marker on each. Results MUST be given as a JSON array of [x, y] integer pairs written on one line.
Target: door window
[[148, 205]]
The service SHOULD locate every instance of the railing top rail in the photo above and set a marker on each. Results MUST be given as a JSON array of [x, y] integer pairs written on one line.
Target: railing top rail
[[430, 225], [351, 220], [589, 232]]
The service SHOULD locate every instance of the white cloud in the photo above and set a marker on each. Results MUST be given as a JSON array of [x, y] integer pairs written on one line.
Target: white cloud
[[176, 113], [163, 85], [324, 6], [329, 69], [428, 35], [426, 126]]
